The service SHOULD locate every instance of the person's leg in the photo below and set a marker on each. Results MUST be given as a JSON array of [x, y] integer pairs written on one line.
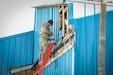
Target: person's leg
[[41, 52], [45, 47]]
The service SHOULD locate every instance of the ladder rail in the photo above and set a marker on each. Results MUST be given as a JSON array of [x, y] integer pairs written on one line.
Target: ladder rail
[[40, 69]]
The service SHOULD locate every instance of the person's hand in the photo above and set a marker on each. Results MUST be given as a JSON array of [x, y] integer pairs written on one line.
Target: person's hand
[[49, 39], [52, 39]]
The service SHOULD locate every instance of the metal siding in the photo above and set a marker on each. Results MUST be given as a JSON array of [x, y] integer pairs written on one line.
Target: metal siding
[[5, 57], [30, 49], [12, 52], [109, 43], [88, 32], [15, 51], [23, 48], [70, 10], [61, 66], [87, 45], [1, 50], [42, 15]]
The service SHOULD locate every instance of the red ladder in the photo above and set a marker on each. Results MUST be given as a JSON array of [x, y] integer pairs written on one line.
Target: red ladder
[[45, 59]]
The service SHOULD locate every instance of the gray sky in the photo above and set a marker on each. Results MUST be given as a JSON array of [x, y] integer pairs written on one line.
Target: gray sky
[[17, 16]]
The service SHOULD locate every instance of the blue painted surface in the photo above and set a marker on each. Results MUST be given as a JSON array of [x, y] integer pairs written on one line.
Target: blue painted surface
[[87, 45], [42, 15], [16, 50], [70, 10], [109, 44], [62, 66]]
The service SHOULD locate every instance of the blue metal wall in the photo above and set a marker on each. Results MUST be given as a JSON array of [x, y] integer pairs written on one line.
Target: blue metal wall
[[42, 15], [15, 51], [87, 45], [109, 44], [62, 66], [87, 42]]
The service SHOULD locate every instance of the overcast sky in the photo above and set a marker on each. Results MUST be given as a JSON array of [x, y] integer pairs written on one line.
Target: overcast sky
[[17, 16]]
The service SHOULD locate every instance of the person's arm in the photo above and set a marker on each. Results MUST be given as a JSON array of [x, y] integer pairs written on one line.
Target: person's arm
[[50, 33], [45, 30]]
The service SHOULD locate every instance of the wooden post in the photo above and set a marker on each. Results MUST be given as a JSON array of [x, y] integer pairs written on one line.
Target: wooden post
[[102, 39]]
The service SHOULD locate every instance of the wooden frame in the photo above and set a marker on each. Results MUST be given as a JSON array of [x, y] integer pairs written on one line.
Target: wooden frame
[[63, 19]]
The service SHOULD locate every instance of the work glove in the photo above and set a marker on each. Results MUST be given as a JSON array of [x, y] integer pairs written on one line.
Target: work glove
[[51, 39]]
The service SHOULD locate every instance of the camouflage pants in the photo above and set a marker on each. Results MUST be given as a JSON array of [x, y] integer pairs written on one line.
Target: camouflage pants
[[43, 47]]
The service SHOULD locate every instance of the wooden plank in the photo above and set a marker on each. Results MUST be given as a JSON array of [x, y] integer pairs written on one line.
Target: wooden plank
[[63, 19], [60, 21], [65, 10], [16, 74], [28, 72], [102, 38], [23, 73], [60, 18], [61, 9], [63, 26], [67, 18]]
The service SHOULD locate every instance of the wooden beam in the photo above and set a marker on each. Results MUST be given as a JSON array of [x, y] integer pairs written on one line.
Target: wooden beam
[[63, 26], [102, 39]]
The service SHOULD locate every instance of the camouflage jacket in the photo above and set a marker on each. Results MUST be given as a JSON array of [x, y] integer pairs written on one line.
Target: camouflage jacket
[[45, 31]]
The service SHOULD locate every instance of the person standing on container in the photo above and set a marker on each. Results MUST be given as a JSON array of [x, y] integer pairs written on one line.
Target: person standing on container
[[44, 38]]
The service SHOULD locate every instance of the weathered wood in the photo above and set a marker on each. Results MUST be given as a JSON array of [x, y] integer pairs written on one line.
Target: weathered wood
[[63, 26], [63, 19], [22, 73], [16, 74], [102, 38], [28, 72]]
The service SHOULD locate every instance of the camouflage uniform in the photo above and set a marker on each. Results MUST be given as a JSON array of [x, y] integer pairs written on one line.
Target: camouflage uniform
[[44, 37]]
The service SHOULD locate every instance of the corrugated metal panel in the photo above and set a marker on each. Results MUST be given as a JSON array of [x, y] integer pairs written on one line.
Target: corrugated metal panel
[[87, 45], [42, 15], [15, 51], [62, 66], [87, 40], [109, 44]]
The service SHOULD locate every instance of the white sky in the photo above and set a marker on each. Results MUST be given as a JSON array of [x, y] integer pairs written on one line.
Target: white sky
[[17, 16]]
